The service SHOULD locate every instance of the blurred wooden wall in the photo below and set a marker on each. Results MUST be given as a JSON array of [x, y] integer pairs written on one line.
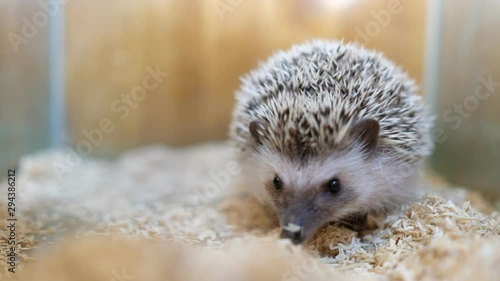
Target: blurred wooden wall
[[468, 146], [205, 46], [24, 83]]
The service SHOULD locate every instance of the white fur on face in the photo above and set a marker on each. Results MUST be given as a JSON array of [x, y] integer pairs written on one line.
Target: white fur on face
[[381, 182]]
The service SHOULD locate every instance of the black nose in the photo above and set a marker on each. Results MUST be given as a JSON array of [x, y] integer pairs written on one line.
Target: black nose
[[293, 232]]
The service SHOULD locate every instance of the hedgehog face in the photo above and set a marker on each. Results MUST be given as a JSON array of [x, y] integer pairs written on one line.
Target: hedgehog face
[[316, 193], [307, 195]]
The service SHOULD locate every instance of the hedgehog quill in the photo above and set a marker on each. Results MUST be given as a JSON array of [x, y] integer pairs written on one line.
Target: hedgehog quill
[[329, 132]]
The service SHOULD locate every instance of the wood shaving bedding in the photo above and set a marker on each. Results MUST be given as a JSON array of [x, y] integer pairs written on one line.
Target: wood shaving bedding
[[154, 194]]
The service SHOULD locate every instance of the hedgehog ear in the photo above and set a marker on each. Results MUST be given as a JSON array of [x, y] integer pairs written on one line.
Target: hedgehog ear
[[366, 132], [257, 130]]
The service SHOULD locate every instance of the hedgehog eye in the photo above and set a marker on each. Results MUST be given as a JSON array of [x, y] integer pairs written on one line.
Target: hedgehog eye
[[277, 183], [333, 186]]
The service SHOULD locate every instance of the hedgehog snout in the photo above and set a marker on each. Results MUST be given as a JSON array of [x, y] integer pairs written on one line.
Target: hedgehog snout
[[293, 232], [300, 221]]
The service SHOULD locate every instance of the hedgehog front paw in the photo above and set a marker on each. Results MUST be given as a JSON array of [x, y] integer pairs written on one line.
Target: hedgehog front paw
[[362, 223]]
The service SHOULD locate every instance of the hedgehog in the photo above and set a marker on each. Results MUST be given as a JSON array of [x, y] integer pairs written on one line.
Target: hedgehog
[[329, 132]]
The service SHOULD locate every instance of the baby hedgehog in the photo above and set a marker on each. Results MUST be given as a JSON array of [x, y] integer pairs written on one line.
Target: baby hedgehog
[[329, 131]]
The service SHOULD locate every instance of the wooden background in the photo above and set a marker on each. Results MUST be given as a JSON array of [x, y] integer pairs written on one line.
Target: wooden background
[[24, 86], [205, 46], [469, 154]]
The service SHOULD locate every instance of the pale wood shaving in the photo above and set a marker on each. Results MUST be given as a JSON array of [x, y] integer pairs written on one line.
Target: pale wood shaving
[[149, 194]]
